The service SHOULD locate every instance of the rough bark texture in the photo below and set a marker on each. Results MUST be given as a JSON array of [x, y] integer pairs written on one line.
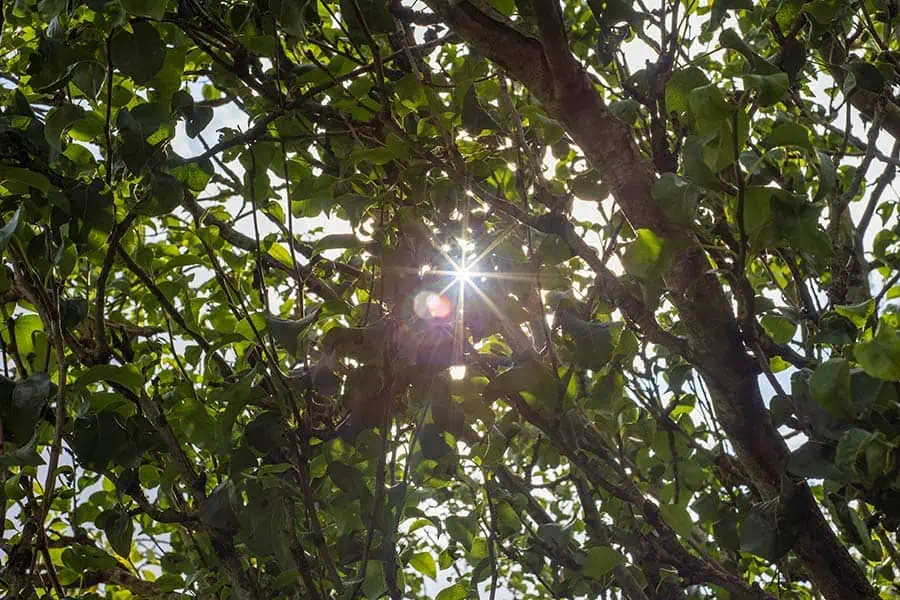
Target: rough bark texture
[[556, 79]]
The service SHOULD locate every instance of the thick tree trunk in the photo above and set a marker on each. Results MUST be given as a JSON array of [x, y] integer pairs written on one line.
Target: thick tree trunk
[[556, 79]]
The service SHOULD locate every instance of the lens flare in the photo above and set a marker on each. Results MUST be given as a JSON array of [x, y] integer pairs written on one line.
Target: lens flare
[[457, 372], [432, 305]]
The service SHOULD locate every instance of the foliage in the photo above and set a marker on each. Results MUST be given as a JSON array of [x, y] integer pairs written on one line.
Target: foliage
[[348, 299]]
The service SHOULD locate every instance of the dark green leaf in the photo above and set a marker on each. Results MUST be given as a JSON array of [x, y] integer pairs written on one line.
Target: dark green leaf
[[139, 53], [119, 530], [7, 231], [59, 120], [789, 133], [830, 387]]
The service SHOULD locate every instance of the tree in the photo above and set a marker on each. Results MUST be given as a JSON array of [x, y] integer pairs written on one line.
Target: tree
[[343, 300]]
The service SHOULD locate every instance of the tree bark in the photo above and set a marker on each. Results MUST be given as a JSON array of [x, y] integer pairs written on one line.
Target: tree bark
[[559, 82]]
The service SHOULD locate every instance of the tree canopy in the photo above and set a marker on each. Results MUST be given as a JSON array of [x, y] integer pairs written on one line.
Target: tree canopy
[[457, 299]]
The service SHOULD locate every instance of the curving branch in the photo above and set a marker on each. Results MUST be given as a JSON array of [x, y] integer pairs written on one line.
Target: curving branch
[[706, 314]]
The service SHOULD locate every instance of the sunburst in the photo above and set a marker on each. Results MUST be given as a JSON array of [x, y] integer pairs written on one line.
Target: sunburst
[[465, 274]]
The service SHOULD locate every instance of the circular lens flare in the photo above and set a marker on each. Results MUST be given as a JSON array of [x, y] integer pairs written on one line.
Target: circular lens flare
[[432, 305]]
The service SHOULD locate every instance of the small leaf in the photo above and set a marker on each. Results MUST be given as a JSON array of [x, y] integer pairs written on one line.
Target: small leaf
[[152, 9], [287, 332], [709, 104], [375, 14], [59, 120], [533, 378], [601, 560], [760, 533], [780, 328], [220, 508], [824, 11], [127, 376], [678, 197], [858, 314], [337, 240], [849, 448], [789, 133], [769, 88], [9, 229], [140, 54], [864, 76], [830, 387], [457, 591], [880, 356], [827, 176], [30, 178], [474, 118], [678, 518], [198, 118], [643, 256], [119, 529], [423, 562], [680, 86]]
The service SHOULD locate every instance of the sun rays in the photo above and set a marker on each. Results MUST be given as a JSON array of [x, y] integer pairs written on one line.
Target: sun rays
[[465, 272]]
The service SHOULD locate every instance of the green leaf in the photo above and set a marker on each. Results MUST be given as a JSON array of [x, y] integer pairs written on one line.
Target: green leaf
[[626, 110], [858, 314], [31, 178], [594, 342], [26, 456], [678, 518], [680, 86], [533, 378], [152, 9], [7, 231], [813, 460], [769, 88], [824, 11], [849, 448], [220, 508], [423, 562], [21, 411], [643, 256], [127, 376], [375, 14], [59, 120], [781, 329], [830, 387], [760, 533], [457, 591], [474, 118], [287, 332], [789, 133], [587, 187], [730, 39], [827, 176], [708, 104], [139, 53], [678, 197], [601, 560], [119, 529], [880, 356], [864, 76], [337, 240]]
